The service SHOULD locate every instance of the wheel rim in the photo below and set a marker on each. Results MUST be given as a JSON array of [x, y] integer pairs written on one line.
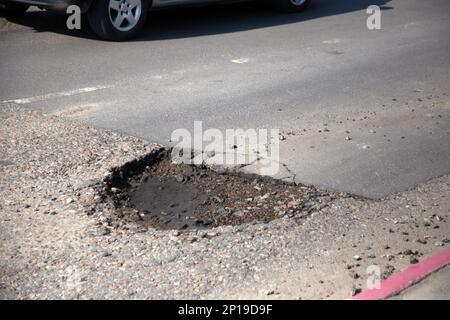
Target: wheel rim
[[125, 14], [298, 2]]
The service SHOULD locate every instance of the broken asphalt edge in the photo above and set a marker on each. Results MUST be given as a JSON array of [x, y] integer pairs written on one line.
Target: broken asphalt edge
[[402, 280]]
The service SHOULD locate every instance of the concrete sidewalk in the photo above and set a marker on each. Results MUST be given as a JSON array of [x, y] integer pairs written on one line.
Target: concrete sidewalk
[[434, 287], [428, 279]]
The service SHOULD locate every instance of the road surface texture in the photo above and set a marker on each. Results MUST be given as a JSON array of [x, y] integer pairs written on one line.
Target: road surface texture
[[362, 111], [54, 245]]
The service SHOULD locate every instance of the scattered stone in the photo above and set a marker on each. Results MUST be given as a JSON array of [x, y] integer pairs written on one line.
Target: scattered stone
[[239, 213], [180, 178], [413, 260], [201, 234], [408, 252], [104, 231], [115, 190], [211, 234], [269, 292], [191, 239], [388, 271], [176, 233], [390, 257], [356, 291]]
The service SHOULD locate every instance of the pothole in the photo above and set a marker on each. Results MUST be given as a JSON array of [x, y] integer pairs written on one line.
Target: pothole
[[154, 192]]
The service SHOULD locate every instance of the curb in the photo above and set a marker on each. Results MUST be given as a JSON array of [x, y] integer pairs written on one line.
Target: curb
[[408, 277]]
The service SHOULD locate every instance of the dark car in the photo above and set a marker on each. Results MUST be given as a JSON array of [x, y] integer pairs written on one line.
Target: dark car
[[122, 19]]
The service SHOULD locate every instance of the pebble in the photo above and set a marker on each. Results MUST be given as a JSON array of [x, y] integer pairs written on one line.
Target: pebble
[[176, 233], [413, 260], [115, 190], [269, 292], [211, 234], [239, 213], [356, 291], [191, 239]]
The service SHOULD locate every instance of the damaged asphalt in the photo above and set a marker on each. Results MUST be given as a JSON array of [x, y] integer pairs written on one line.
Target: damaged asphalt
[[61, 239], [364, 119], [362, 111], [158, 193]]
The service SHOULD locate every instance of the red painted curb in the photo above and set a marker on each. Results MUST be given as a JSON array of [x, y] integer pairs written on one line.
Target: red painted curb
[[406, 278]]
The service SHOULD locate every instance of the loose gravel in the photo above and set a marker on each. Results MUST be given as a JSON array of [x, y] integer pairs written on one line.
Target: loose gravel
[[158, 193], [62, 237]]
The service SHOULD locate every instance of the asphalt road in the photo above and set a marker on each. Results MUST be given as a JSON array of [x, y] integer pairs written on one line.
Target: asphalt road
[[319, 76]]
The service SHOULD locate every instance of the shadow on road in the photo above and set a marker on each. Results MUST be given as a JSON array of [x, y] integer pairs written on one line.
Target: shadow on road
[[206, 20]]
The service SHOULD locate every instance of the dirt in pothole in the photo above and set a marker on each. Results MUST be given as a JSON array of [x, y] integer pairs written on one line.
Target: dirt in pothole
[[184, 197]]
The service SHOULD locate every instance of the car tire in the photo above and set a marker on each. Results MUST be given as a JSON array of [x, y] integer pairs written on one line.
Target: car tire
[[290, 6], [13, 9], [117, 20]]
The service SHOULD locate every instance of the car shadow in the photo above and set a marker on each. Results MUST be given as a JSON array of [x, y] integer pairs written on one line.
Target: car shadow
[[203, 20]]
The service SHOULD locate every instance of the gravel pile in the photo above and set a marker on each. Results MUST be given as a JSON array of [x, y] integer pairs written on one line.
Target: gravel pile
[[60, 236]]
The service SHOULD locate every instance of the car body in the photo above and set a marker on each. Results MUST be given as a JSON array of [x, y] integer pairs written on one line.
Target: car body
[[62, 5], [57, 5], [122, 19]]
